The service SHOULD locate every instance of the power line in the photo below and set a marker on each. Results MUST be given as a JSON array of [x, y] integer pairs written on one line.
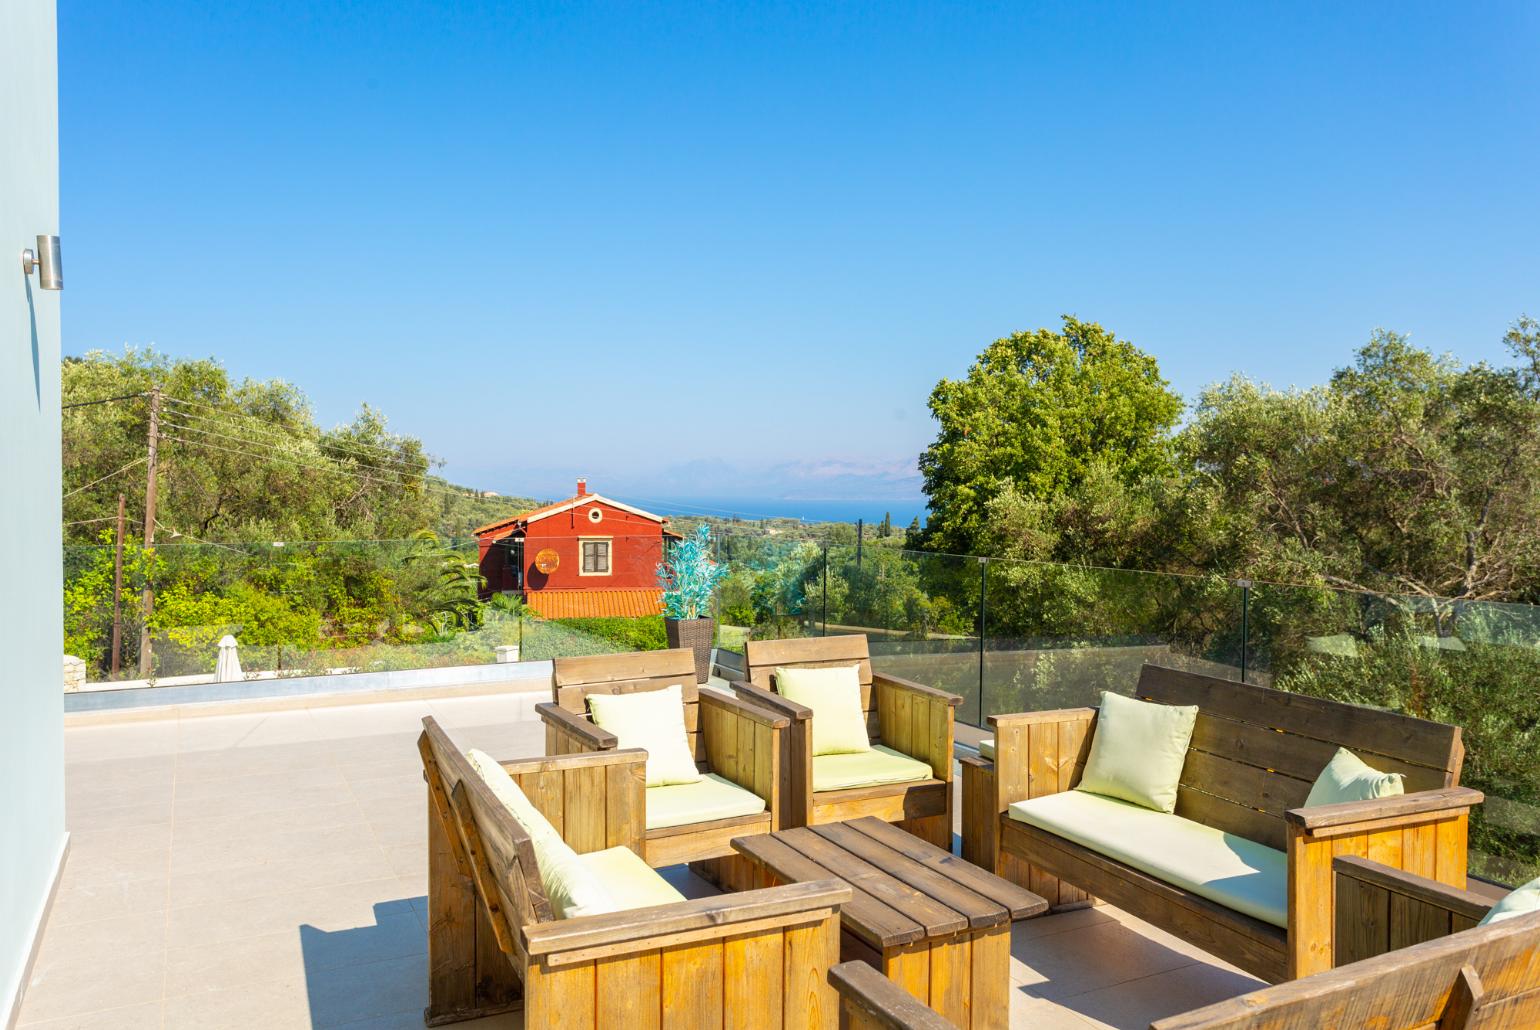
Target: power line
[[275, 434], [403, 469], [104, 400], [104, 479], [270, 427], [424, 484]]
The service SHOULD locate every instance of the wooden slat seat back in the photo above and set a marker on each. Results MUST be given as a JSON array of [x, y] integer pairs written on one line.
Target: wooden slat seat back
[[573, 679], [1487, 977], [762, 657], [730, 739], [758, 959], [1256, 751], [910, 718]]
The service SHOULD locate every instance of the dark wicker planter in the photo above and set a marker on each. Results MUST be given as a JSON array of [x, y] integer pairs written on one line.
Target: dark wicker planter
[[695, 634]]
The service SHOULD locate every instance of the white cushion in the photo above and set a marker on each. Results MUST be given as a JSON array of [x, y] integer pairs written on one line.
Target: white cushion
[[652, 720], [987, 748], [710, 797], [569, 887], [628, 880], [1348, 778], [866, 769], [1138, 750], [1520, 902], [510, 794], [834, 695], [1232, 871]]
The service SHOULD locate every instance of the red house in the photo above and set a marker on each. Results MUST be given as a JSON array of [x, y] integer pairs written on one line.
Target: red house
[[584, 557]]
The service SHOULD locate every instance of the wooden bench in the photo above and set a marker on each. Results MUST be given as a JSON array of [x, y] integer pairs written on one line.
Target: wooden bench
[[734, 740], [910, 718], [870, 1001], [1454, 978], [1254, 754], [756, 959]]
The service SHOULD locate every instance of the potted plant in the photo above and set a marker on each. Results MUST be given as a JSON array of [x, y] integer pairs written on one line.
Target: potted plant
[[689, 578]]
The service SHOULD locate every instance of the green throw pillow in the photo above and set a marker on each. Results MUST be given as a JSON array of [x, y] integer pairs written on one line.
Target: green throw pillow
[[1518, 903], [652, 720], [834, 695], [1137, 751], [1347, 778]]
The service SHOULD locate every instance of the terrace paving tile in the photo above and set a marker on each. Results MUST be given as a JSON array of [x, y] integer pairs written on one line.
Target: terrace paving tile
[[1091, 957], [147, 1016], [109, 899], [1135, 1003]]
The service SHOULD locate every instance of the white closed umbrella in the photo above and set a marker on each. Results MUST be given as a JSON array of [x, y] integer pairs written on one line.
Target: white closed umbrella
[[228, 668]]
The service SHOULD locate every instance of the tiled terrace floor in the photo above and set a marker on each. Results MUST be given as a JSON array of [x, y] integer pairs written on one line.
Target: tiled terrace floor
[[269, 870]]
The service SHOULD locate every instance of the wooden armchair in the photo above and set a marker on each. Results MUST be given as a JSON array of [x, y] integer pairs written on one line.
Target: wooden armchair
[[756, 959], [1254, 754], [907, 717], [1413, 959], [734, 740]]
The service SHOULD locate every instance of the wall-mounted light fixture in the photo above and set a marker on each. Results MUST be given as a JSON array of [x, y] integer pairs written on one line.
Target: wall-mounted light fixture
[[49, 265]]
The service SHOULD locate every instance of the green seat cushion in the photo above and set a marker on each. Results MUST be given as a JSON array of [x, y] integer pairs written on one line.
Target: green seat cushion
[[652, 720], [710, 797], [1520, 902], [987, 748], [630, 882], [1231, 871], [866, 769], [569, 887], [1138, 750], [834, 695], [1347, 778]]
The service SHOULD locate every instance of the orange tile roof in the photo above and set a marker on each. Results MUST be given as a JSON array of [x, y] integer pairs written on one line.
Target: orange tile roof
[[596, 604]]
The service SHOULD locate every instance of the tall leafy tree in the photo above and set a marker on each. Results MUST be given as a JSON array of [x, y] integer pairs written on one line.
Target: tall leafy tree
[[1036, 416], [1407, 473]]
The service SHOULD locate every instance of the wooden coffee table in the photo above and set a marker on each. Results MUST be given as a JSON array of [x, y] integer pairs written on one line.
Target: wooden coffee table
[[931, 922]]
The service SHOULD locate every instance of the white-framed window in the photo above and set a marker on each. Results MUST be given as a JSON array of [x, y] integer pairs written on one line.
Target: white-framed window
[[595, 556], [595, 515]]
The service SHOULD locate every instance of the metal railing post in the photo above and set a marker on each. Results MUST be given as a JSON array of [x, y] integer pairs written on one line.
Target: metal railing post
[[825, 590], [1245, 585], [978, 712]]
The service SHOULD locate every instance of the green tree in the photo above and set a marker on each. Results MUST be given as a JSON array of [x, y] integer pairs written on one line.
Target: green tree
[[1036, 415], [1407, 474]]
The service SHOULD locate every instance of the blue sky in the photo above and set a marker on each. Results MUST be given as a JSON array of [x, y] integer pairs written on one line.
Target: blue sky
[[721, 251]]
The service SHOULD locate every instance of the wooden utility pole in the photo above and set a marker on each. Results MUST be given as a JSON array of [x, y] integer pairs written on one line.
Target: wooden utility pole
[[149, 533], [117, 591]]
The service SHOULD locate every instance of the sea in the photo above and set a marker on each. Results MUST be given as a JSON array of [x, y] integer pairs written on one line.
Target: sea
[[902, 510]]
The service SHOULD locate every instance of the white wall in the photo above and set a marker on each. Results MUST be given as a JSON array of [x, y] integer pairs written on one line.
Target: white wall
[[31, 628]]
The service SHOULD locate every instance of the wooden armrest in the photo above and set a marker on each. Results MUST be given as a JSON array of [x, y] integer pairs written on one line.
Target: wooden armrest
[[580, 760], [1463, 903], [1392, 809], [1060, 738], [773, 701], [1028, 718], [883, 1002], [946, 697], [576, 726], [582, 939], [744, 710]]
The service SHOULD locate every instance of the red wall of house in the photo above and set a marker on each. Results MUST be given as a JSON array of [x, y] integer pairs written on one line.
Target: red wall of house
[[636, 548], [494, 565]]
